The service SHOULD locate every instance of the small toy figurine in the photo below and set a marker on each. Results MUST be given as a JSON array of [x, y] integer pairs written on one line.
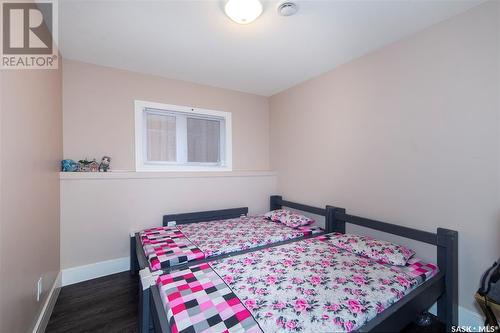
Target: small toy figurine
[[84, 165], [88, 166], [69, 166], [105, 164], [94, 166]]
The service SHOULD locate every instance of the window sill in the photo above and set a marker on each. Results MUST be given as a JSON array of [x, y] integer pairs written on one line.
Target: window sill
[[181, 168], [159, 175]]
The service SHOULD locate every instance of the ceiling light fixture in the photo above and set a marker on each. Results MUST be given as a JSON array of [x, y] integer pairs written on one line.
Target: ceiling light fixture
[[243, 11]]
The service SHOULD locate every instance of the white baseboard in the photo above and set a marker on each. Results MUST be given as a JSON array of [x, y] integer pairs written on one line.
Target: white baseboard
[[466, 317], [48, 305], [88, 272]]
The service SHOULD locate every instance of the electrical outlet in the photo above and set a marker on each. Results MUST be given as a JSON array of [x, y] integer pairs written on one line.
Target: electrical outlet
[[39, 288]]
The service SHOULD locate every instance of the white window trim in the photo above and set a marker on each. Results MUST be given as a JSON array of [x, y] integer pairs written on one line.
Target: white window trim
[[142, 165]]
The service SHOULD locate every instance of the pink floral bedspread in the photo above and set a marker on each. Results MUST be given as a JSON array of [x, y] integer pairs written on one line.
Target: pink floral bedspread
[[226, 236], [305, 286], [167, 247]]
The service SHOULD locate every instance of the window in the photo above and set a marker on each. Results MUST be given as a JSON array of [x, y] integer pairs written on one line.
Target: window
[[180, 138]]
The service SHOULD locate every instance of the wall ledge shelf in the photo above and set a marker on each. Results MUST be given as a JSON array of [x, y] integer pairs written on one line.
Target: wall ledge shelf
[[161, 175]]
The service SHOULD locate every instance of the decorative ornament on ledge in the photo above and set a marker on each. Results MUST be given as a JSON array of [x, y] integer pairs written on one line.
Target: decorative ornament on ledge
[[69, 166], [86, 165], [105, 164]]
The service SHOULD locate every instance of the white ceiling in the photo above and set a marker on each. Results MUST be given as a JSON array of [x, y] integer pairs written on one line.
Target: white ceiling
[[194, 40]]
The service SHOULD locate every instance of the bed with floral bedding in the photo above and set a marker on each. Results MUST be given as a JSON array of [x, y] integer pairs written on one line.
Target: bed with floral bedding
[[166, 247], [193, 238], [310, 285]]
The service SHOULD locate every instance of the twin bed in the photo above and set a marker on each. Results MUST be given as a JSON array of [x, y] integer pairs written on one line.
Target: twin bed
[[214, 272], [189, 238]]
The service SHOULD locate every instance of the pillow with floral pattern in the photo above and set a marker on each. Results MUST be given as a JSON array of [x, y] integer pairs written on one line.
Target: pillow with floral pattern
[[275, 215], [294, 220], [383, 251], [288, 218]]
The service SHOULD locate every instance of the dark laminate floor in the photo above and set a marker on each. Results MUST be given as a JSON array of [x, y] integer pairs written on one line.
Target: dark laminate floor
[[109, 304]]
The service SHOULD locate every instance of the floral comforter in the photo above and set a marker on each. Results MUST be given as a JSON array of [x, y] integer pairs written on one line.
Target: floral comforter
[[305, 286], [226, 236], [166, 247]]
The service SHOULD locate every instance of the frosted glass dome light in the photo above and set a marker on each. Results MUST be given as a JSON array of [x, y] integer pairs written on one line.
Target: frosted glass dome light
[[243, 11]]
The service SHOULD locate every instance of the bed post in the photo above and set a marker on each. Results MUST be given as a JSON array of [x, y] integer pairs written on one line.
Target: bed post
[[144, 309], [447, 258], [134, 265], [275, 202], [332, 223]]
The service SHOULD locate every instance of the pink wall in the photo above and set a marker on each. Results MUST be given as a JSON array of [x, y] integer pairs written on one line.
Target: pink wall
[[99, 113], [408, 134], [118, 206], [30, 151], [98, 104]]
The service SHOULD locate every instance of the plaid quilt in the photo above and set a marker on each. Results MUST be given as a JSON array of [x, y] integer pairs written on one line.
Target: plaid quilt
[[419, 269], [304, 286], [158, 235], [197, 300], [167, 246]]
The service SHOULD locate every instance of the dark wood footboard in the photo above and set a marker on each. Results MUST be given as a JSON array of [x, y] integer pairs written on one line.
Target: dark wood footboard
[[446, 243]]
